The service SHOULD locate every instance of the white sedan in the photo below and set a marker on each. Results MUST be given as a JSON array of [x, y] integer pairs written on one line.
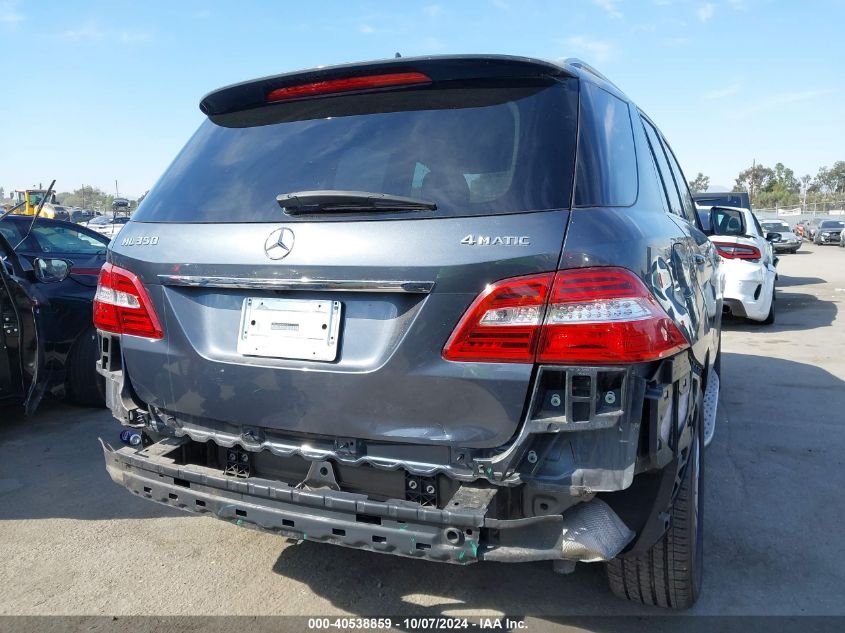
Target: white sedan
[[108, 225], [748, 262]]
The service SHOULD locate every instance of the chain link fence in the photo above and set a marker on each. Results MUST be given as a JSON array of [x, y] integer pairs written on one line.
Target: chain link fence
[[802, 213]]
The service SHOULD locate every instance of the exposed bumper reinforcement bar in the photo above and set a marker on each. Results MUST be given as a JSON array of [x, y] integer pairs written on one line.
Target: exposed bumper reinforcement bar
[[461, 533]]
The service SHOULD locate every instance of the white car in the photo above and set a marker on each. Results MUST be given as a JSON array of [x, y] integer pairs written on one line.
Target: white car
[[748, 262], [108, 225]]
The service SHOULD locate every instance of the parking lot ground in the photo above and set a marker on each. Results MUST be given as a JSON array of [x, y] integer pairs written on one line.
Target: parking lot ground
[[72, 542]]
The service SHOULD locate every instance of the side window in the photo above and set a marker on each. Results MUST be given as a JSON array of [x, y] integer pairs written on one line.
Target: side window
[[683, 189], [663, 168], [607, 160], [60, 239], [760, 231]]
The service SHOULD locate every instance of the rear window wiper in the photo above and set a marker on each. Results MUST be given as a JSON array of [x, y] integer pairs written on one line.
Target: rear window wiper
[[334, 201]]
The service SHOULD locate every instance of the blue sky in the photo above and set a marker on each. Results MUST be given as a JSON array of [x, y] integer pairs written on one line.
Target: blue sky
[[99, 91]]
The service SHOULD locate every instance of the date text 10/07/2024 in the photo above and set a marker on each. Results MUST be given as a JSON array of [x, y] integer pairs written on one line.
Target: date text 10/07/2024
[[422, 623]]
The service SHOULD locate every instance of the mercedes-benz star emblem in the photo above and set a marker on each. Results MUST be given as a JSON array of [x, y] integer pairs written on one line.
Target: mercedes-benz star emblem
[[279, 243]]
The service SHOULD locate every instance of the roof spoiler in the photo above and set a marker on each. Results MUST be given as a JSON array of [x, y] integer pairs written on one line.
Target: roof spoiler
[[580, 64], [254, 93]]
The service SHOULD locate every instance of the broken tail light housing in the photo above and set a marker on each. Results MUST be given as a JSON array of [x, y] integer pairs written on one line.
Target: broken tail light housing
[[578, 316], [349, 84], [730, 250], [122, 305]]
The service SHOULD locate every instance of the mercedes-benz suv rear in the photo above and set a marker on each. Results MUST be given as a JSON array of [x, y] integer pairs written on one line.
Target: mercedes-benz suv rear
[[454, 308]]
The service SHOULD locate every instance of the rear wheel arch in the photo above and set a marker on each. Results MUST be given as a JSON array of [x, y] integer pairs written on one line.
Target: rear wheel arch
[[669, 574]]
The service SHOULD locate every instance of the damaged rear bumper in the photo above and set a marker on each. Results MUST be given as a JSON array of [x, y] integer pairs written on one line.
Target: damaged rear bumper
[[461, 532]]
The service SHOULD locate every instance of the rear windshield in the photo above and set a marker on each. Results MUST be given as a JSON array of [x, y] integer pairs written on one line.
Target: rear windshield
[[476, 150], [722, 201], [776, 226]]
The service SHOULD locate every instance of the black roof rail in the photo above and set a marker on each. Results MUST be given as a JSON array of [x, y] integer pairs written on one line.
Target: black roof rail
[[582, 65]]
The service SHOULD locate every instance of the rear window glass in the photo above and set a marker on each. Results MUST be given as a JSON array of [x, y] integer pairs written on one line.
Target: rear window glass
[[607, 159], [726, 200], [782, 227], [471, 150]]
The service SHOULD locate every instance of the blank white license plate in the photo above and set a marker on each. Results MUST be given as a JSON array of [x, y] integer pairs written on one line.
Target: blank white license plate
[[289, 328]]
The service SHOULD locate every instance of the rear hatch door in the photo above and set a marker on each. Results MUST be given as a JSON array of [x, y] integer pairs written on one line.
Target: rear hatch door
[[221, 259]]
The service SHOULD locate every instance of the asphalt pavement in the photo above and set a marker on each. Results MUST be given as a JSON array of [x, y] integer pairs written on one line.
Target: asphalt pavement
[[72, 542]]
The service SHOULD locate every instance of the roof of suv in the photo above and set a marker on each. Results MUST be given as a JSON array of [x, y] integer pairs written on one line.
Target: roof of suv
[[253, 93]]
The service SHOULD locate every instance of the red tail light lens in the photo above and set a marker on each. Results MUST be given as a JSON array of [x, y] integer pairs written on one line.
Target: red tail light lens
[[605, 315], [503, 324], [123, 306], [334, 86], [729, 250], [588, 315]]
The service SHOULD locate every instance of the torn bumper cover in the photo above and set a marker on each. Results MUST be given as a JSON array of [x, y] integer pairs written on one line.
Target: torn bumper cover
[[459, 533]]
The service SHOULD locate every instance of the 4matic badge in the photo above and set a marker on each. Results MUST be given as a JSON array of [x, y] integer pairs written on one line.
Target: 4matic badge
[[496, 240]]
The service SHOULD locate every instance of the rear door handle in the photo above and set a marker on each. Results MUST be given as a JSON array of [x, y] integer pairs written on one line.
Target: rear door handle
[[699, 259]]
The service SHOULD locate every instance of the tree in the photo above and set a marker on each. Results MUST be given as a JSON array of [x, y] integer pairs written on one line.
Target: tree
[[754, 179], [806, 179], [836, 177], [824, 181], [784, 179], [701, 183], [87, 197]]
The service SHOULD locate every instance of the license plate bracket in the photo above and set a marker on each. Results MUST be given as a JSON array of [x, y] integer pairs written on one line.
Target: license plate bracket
[[298, 329]]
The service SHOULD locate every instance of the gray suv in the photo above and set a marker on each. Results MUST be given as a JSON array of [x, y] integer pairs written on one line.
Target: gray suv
[[451, 308]]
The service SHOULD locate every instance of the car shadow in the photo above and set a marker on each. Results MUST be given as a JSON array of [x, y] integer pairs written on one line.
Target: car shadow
[[51, 466], [786, 281], [795, 311]]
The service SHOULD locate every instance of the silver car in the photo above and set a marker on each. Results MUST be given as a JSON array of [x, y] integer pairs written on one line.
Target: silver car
[[786, 241]]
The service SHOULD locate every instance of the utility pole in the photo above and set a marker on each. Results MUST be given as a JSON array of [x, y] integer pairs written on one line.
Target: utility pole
[[751, 193], [83, 195]]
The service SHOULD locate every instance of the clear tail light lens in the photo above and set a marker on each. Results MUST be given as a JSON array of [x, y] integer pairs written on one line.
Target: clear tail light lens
[[122, 305], [586, 315]]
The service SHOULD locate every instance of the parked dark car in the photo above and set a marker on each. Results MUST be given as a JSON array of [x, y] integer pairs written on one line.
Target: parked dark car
[[723, 199], [396, 306], [49, 277], [81, 216], [828, 232]]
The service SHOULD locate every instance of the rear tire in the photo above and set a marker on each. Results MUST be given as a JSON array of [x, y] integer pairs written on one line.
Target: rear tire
[[770, 317], [85, 386], [669, 574]]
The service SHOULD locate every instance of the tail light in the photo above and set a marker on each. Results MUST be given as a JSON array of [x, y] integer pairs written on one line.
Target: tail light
[[730, 250], [503, 324], [123, 306], [349, 84], [585, 315]]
